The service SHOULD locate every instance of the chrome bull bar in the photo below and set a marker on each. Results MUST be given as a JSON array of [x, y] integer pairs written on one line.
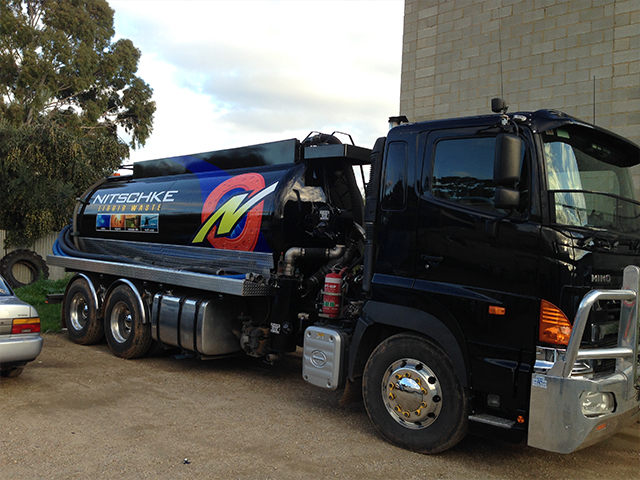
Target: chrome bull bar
[[557, 421]]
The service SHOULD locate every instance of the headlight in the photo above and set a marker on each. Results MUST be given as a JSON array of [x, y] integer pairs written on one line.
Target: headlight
[[597, 403]]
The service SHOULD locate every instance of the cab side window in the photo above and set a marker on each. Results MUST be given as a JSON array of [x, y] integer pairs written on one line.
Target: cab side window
[[394, 179], [463, 171]]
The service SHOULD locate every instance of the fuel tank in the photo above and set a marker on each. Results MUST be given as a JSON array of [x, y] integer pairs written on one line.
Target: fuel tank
[[263, 198]]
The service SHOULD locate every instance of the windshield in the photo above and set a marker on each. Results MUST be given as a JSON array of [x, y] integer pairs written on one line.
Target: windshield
[[589, 179]]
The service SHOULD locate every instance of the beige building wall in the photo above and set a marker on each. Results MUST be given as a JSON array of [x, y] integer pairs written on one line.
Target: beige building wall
[[556, 54]]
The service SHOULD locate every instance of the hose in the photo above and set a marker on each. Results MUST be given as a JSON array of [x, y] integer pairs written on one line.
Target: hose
[[65, 247]]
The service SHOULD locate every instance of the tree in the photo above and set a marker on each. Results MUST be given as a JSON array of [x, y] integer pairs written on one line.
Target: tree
[[65, 88], [43, 168]]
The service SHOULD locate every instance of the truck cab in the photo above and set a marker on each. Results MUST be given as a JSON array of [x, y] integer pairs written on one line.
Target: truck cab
[[486, 234]]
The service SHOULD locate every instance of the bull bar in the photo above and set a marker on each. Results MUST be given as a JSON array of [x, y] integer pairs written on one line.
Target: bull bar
[[556, 421]]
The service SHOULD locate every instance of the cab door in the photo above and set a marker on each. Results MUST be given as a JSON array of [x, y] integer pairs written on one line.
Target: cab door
[[396, 222], [478, 263]]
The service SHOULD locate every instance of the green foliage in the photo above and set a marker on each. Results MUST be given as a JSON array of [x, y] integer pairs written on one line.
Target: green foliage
[[36, 293], [57, 61], [38, 193], [65, 88]]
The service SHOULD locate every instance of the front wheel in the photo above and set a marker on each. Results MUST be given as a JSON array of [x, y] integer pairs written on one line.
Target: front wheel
[[413, 396], [126, 335]]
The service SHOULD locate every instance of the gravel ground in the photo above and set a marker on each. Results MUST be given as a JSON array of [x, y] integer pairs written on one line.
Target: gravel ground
[[81, 413]]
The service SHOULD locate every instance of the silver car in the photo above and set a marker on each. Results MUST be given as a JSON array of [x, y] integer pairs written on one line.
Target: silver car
[[20, 340]]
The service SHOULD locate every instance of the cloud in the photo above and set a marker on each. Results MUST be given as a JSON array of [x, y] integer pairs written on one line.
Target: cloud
[[244, 70]]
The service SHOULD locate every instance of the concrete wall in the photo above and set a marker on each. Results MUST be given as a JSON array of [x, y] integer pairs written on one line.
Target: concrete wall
[[458, 54]]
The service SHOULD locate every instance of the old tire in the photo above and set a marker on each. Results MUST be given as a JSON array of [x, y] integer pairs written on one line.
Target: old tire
[[413, 396], [23, 267], [81, 314], [126, 335]]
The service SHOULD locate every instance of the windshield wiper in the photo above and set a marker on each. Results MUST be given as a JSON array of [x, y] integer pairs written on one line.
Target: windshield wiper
[[596, 192]]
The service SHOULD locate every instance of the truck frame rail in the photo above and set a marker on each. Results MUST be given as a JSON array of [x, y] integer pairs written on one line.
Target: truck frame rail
[[230, 285]]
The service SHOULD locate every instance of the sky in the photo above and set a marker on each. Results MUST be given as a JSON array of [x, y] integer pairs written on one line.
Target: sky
[[232, 73]]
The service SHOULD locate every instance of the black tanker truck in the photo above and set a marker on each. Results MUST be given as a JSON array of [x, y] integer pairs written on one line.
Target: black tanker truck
[[486, 284]]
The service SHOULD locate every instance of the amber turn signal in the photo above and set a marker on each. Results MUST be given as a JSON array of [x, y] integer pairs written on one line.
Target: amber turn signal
[[554, 325]]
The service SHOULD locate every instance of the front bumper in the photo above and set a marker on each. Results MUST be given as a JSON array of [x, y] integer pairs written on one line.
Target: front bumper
[[556, 422], [20, 349], [556, 419]]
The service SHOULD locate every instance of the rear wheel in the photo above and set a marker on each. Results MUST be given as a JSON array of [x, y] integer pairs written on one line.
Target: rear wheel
[[81, 314], [127, 336], [413, 396]]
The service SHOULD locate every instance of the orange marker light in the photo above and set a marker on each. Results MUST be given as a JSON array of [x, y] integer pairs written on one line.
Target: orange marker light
[[494, 310], [554, 325]]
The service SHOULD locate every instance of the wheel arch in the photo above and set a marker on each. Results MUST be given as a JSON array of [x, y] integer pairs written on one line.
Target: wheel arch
[[94, 294], [144, 311], [382, 320]]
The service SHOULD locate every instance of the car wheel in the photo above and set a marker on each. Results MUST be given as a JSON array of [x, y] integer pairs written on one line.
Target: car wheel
[[11, 372]]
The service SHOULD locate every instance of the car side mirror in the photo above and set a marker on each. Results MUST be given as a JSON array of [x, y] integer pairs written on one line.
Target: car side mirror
[[507, 167]]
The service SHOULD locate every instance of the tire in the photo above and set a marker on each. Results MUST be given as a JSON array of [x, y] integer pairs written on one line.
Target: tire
[[413, 396], [126, 335], [23, 267], [11, 372], [81, 314]]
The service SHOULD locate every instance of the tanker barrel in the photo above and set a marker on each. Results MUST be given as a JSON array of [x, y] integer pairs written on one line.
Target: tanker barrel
[[234, 209]]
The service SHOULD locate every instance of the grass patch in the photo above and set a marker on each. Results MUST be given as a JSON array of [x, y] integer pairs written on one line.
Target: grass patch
[[36, 293]]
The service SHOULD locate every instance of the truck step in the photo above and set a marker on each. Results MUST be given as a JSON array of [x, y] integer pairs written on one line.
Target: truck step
[[492, 420]]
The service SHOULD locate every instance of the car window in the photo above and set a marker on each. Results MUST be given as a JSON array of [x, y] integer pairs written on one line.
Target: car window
[[5, 291]]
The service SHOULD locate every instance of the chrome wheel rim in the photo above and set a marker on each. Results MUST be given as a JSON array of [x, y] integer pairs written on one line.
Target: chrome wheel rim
[[120, 322], [411, 393], [79, 312]]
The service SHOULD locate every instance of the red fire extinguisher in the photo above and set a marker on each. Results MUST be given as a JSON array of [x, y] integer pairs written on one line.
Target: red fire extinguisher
[[331, 295]]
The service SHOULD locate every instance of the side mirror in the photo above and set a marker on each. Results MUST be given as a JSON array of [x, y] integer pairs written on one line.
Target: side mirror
[[506, 171]]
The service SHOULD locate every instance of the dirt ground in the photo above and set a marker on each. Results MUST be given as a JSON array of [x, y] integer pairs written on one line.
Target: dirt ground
[[81, 413]]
